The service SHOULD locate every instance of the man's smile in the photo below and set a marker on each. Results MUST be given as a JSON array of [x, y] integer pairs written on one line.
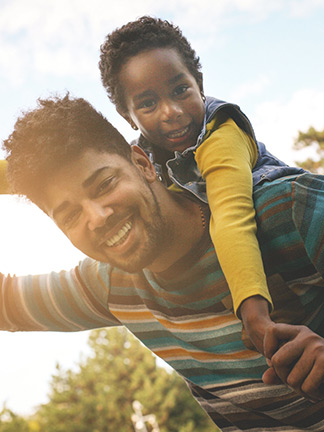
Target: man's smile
[[121, 236]]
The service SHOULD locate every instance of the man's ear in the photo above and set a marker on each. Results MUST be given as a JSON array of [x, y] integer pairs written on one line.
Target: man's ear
[[128, 119], [142, 162]]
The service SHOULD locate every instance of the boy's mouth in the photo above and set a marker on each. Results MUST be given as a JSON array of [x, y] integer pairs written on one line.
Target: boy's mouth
[[180, 133]]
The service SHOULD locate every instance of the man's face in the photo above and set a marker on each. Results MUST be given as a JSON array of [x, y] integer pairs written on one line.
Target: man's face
[[106, 206]]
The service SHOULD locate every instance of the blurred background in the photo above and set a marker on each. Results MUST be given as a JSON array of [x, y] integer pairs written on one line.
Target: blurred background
[[265, 56]]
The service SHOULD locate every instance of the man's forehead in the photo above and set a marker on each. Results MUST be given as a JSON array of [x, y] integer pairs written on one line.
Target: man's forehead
[[90, 161]]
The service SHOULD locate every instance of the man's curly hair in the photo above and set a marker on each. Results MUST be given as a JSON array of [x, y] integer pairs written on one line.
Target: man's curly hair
[[143, 34], [50, 136]]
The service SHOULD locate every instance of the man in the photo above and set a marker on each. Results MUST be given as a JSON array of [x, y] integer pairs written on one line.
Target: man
[[153, 268]]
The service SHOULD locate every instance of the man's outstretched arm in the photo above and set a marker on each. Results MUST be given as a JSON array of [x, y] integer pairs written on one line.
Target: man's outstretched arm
[[65, 301]]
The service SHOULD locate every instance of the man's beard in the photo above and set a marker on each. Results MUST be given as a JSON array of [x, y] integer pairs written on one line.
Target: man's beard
[[143, 254]]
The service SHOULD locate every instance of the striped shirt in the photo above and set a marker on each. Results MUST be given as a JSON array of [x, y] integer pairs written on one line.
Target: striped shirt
[[188, 319]]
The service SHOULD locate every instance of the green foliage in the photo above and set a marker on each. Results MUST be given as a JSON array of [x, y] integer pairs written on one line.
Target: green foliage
[[11, 422], [99, 396], [315, 139]]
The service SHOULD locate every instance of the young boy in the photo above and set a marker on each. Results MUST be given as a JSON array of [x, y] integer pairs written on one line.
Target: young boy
[[201, 144]]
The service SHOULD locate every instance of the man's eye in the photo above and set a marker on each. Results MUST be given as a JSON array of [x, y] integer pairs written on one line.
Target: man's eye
[[71, 218], [179, 90], [105, 185]]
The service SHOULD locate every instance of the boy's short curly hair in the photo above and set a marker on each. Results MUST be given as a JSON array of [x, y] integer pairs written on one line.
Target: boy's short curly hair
[[53, 134], [143, 34]]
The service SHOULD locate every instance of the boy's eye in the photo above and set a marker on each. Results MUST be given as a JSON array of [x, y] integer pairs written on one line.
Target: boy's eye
[[179, 90], [148, 103]]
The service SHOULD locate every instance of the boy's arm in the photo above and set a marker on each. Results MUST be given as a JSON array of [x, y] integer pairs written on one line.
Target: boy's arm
[[255, 316], [226, 159]]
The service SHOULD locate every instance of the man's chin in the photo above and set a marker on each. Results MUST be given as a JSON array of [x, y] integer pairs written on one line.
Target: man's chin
[[141, 253], [124, 266], [134, 263], [133, 268]]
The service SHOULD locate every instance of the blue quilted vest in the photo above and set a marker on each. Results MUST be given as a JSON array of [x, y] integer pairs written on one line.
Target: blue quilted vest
[[183, 170]]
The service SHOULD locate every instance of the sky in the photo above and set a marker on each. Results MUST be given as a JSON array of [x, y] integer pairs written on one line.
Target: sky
[[267, 57]]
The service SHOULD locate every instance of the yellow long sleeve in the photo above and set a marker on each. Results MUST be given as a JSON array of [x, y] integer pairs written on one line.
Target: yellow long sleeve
[[4, 186], [225, 160]]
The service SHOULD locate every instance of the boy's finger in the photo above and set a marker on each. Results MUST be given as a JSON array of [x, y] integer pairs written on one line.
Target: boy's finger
[[276, 336], [270, 343], [270, 377]]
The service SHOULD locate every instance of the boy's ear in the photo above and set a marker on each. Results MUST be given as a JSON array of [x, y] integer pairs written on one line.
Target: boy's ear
[[128, 119], [142, 162]]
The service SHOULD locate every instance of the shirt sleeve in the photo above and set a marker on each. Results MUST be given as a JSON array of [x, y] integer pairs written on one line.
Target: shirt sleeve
[[4, 186], [65, 301], [225, 160]]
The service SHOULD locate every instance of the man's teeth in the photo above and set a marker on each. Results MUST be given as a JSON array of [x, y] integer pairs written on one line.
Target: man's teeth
[[120, 236], [179, 134]]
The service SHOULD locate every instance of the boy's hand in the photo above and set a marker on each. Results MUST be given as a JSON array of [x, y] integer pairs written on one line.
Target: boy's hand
[[256, 320], [296, 358]]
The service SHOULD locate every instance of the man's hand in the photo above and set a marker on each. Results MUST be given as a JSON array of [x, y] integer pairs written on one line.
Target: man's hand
[[296, 358], [256, 320]]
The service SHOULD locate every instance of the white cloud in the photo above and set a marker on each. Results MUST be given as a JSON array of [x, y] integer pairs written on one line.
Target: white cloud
[[63, 36], [59, 37], [277, 123], [213, 16], [303, 8], [247, 89], [258, 9], [261, 9]]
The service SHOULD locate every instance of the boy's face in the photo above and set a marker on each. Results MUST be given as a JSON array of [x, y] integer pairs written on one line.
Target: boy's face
[[106, 207], [163, 99]]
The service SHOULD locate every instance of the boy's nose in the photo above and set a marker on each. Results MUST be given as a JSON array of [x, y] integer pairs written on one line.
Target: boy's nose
[[97, 214], [171, 111]]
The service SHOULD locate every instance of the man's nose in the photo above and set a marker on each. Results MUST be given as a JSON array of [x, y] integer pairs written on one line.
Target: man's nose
[[171, 110], [97, 214]]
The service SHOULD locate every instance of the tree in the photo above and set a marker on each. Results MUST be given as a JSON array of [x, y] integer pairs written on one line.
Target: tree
[[11, 422], [312, 138], [99, 396]]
